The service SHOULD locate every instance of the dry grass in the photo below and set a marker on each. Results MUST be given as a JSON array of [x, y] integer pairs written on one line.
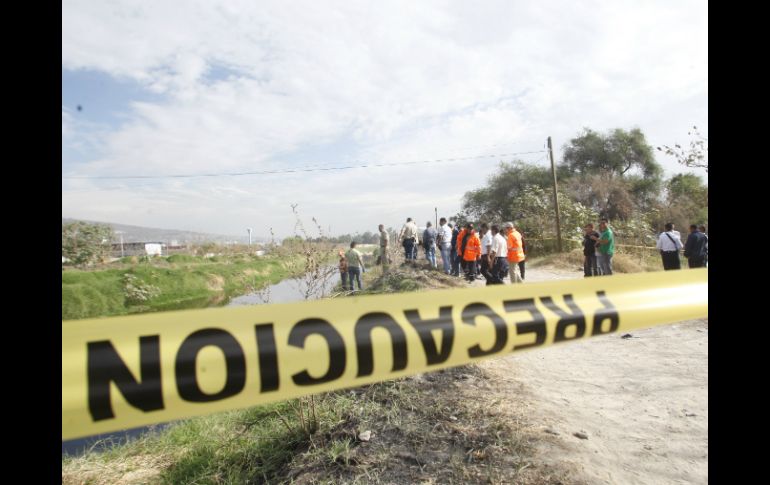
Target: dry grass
[[215, 282], [446, 427], [105, 469], [621, 262], [409, 277]]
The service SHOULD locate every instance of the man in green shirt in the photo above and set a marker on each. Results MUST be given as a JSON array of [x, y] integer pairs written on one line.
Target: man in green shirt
[[606, 244], [355, 265]]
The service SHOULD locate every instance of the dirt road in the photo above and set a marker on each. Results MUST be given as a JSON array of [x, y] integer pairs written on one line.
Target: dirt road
[[640, 403]]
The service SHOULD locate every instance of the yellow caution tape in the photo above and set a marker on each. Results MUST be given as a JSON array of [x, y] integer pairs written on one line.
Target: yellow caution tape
[[130, 371]]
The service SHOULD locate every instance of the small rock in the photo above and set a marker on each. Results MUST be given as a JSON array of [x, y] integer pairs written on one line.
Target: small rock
[[690, 415], [405, 455], [647, 447], [453, 418], [551, 431], [580, 435], [628, 335], [365, 436]]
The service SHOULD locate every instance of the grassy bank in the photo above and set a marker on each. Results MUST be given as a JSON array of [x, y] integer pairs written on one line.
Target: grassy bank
[[422, 428], [170, 283], [448, 426]]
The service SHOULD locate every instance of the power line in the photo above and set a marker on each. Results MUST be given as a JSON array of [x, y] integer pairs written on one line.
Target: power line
[[296, 170]]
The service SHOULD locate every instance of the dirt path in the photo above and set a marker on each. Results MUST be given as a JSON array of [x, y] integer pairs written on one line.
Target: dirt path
[[642, 402]]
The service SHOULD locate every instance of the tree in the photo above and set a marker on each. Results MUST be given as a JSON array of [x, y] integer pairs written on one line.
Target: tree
[[493, 202], [686, 201], [84, 244], [614, 173], [535, 214], [611, 197], [616, 153], [697, 156]]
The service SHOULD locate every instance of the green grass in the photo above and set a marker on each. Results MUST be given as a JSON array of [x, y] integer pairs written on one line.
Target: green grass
[[183, 281], [431, 420], [225, 448]]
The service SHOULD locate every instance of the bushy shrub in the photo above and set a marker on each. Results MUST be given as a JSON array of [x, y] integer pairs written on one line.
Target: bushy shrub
[[137, 291]]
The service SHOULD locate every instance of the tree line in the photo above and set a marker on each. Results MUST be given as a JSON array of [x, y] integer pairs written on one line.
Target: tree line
[[612, 175]]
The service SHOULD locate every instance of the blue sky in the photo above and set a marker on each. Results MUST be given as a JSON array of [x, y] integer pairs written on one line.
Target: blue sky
[[172, 87]]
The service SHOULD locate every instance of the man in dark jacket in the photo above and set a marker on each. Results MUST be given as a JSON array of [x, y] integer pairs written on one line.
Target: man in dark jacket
[[455, 258], [695, 248], [589, 251], [702, 229]]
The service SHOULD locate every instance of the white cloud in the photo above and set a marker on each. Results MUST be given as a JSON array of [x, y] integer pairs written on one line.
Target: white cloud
[[66, 124], [247, 84]]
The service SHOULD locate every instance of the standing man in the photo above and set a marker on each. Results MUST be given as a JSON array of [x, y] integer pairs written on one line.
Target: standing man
[[515, 251], [702, 229], [498, 256], [384, 246], [408, 238], [523, 262], [606, 244], [695, 248], [486, 246], [669, 245], [455, 249], [469, 250], [590, 267], [355, 266], [445, 244], [429, 243]]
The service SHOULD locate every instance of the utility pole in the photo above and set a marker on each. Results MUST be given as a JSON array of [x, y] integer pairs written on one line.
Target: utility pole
[[436, 209], [249, 230], [555, 197]]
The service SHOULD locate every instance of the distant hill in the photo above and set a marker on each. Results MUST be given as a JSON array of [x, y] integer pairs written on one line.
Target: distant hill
[[151, 234]]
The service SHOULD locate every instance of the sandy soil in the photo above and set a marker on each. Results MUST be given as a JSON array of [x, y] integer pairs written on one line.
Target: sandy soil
[[640, 402]]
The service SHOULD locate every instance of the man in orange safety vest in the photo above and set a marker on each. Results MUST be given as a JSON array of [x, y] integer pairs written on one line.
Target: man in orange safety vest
[[515, 251]]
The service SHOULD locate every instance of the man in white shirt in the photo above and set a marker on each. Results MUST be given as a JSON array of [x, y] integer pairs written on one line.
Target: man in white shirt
[[486, 245], [498, 259], [445, 244], [409, 239], [669, 245]]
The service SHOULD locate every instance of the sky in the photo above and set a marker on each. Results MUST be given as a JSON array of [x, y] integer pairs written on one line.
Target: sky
[[217, 93]]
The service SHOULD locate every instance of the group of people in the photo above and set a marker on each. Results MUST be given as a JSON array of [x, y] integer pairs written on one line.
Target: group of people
[[598, 249], [696, 247], [351, 263], [351, 267], [493, 253], [431, 238]]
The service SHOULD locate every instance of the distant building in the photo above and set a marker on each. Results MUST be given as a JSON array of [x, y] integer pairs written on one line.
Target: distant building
[[138, 249], [154, 249]]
